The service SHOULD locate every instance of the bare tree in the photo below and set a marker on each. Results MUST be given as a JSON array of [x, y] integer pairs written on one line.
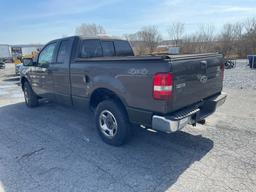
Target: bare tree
[[131, 37], [238, 30], [176, 32], [250, 25], [144, 41], [227, 39], [231, 39], [206, 32], [201, 41], [239, 43], [90, 30], [235, 40], [189, 43], [137, 44], [205, 38], [150, 36], [250, 35]]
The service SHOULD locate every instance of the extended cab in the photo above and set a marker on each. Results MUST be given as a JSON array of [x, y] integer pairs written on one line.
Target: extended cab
[[161, 92]]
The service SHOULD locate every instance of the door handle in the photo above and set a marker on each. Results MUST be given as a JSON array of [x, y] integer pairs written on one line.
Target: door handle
[[86, 79], [204, 66]]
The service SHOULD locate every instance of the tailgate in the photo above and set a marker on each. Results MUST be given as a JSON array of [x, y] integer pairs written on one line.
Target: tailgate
[[194, 79]]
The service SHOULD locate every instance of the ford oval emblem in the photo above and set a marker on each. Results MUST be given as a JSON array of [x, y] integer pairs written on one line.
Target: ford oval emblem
[[203, 79]]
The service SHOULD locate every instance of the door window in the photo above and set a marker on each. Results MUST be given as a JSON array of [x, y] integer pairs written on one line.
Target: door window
[[63, 52], [46, 56]]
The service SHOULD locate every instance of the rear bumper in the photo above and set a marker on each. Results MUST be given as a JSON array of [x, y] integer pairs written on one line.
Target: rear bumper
[[191, 115], [168, 125]]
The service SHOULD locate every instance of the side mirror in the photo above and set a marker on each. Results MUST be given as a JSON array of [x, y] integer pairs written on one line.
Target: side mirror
[[28, 62]]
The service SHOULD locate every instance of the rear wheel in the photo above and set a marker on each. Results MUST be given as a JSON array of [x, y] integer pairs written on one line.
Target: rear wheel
[[112, 123], [31, 98]]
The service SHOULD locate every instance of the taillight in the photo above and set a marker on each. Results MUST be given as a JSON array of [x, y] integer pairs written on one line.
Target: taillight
[[162, 86], [222, 71]]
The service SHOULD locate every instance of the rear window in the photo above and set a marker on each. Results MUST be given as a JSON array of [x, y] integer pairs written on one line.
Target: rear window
[[108, 48], [123, 48], [91, 48]]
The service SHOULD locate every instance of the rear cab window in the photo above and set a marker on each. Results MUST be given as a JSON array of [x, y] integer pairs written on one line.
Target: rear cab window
[[123, 48], [108, 48], [91, 48]]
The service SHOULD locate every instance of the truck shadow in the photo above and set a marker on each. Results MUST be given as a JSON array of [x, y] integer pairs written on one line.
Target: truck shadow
[[52, 148]]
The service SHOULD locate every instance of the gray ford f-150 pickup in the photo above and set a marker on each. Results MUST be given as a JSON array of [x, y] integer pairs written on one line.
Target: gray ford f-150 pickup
[[161, 92]]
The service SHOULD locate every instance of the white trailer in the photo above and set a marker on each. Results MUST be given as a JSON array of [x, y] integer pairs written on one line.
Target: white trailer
[[5, 52], [29, 50], [174, 50]]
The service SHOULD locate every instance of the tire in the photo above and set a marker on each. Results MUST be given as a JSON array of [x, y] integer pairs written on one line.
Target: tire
[[227, 65], [234, 64], [112, 123], [31, 98]]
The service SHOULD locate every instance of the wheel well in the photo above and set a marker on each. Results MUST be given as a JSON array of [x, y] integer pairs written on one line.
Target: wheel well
[[102, 94]]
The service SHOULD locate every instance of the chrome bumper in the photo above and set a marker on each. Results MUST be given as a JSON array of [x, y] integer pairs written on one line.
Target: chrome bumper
[[179, 120], [166, 125]]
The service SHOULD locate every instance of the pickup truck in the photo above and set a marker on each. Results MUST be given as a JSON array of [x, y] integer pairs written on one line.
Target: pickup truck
[[164, 93]]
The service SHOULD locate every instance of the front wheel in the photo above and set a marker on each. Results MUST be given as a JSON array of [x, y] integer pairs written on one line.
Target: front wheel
[[112, 123], [31, 98]]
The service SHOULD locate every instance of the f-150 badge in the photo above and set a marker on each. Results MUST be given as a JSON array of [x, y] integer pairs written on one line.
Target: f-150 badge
[[134, 71]]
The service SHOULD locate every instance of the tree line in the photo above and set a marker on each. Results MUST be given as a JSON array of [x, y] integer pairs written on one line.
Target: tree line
[[234, 40]]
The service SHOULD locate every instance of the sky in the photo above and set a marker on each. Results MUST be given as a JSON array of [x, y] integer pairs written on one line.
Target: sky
[[32, 21]]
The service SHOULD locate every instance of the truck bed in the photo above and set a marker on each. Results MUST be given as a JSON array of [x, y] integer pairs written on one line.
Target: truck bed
[[151, 57], [191, 56]]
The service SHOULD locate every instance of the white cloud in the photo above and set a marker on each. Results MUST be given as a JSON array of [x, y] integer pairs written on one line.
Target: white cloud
[[234, 8], [194, 13]]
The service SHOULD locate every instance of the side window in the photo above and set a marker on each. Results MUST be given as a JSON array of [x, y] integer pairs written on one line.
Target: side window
[[63, 51], [46, 56], [91, 48], [108, 48], [123, 48]]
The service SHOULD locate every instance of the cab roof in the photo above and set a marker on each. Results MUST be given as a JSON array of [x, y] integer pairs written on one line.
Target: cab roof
[[94, 37], [100, 38]]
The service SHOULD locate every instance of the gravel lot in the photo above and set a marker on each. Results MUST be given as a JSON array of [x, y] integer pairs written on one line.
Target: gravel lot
[[52, 148], [241, 77]]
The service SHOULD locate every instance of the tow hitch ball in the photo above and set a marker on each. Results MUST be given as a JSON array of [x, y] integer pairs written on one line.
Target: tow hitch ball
[[196, 119], [202, 122]]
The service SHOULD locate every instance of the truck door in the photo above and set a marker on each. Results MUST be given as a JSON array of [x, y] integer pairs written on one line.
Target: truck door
[[60, 75], [42, 81], [81, 72]]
